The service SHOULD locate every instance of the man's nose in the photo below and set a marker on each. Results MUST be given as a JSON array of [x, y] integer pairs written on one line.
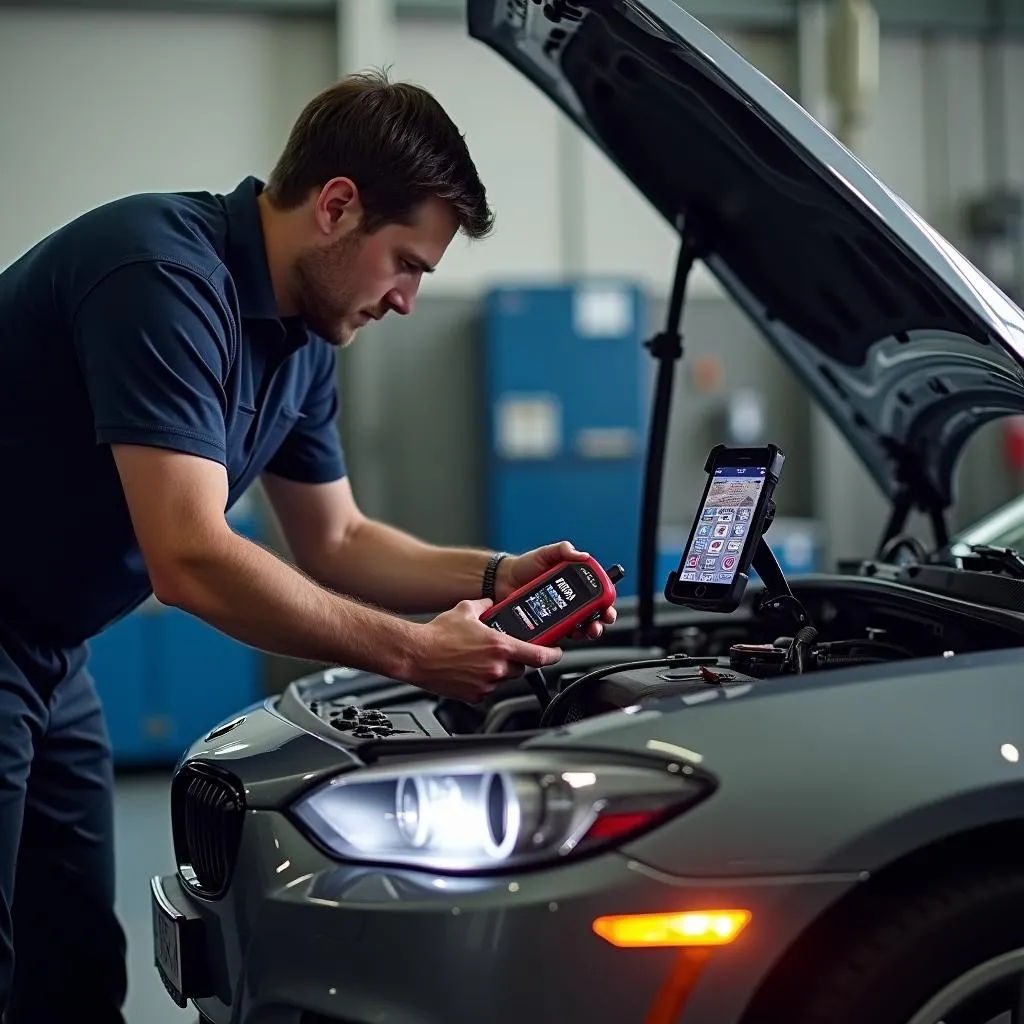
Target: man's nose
[[401, 300]]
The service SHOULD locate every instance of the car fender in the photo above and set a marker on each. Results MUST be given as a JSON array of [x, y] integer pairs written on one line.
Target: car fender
[[840, 772]]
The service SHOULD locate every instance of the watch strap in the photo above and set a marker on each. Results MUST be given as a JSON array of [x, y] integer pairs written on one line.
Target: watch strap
[[491, 574]]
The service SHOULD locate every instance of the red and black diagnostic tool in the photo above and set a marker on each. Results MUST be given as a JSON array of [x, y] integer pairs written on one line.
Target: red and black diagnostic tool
[[557, 603]]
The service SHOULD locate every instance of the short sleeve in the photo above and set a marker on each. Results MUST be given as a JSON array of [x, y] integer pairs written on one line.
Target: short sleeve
[[154, 343], [311, 451]]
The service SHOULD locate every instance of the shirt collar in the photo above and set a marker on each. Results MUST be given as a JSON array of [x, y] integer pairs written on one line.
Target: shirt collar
[[246, 259]]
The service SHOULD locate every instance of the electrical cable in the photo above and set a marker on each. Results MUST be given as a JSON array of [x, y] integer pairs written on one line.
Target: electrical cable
[[903, 540], [564, 697], [804, 638]]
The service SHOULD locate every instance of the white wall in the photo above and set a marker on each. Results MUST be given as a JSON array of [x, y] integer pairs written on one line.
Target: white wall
[[98, 105], [512, 131]]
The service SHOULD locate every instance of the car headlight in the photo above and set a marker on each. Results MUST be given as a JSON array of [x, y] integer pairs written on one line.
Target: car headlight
[[498, 811]]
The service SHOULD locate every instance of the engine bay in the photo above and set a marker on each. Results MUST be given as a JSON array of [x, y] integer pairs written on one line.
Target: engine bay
[[858, 621], [714, 630]]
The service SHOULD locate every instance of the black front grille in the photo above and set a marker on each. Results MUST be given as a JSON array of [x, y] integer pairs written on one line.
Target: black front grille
[[207, 808]]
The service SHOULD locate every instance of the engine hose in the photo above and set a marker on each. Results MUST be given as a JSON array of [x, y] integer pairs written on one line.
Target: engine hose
[[805, 636], [554, 713]]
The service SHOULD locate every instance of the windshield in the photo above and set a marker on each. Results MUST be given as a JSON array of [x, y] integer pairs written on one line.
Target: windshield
[[1003, 528]]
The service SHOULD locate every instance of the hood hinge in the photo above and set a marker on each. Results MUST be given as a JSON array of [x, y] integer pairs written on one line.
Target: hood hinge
[[914, 490]]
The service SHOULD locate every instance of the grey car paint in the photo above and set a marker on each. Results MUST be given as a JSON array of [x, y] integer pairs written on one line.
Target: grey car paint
[[378, 944], [819, 781], [843, 774], [771, 814]]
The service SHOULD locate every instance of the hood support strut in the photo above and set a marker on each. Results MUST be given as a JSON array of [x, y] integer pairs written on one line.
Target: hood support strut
[[912, 486], [667, 349]]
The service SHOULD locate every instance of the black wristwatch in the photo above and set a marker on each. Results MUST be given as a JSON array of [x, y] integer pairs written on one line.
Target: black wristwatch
[[491, 574]]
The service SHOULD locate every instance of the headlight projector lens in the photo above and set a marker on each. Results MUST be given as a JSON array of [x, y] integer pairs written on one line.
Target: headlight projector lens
[[504, 815], [412, 810]]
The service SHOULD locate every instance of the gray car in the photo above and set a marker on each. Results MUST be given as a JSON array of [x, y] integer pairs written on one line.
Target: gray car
[[686, 823]]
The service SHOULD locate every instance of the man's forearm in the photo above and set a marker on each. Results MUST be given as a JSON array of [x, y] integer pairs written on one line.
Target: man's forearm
[[390, 568], [250, 594]]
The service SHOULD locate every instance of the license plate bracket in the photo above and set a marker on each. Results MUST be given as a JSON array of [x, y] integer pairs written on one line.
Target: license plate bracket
[[178, 947]]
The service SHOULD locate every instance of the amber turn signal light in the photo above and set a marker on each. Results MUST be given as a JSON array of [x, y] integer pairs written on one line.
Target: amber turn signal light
[[689, 928]]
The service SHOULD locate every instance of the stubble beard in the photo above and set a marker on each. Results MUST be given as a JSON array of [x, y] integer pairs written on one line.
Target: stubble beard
[[326, 304]]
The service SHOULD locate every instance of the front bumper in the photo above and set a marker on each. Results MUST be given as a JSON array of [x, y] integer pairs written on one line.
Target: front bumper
[[301, 939]]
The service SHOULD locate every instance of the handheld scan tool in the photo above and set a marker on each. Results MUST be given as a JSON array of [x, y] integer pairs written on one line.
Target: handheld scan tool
[[735, 511], [555, 604]]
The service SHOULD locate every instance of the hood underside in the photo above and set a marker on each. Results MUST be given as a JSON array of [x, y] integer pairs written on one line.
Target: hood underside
[[905, 344]]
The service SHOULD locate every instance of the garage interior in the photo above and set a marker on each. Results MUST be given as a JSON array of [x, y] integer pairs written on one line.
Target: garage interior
[[102, 99]]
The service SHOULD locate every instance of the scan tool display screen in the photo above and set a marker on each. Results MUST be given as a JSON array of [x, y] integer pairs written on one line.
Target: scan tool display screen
[[723, 525], [557, 597]]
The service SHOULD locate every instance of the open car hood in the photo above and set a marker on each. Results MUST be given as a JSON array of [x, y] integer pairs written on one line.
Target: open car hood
[[906, 345]]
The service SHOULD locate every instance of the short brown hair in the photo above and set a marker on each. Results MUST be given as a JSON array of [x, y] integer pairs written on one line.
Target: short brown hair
[[394, 140]]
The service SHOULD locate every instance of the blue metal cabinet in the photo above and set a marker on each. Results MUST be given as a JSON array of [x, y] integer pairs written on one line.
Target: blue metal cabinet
[[565, 390], [120, 663], [165, 679], [205, 677]]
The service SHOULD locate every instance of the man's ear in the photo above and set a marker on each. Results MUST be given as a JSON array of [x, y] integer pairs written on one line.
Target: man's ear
[[337, 208]]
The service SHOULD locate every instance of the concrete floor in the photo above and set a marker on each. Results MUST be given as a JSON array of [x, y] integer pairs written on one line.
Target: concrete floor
[[143, 849]]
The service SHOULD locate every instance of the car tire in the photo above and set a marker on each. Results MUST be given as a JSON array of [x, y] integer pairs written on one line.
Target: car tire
[[899, 959]]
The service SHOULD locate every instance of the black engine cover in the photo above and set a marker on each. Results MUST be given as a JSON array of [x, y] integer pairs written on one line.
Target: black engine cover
[[628, 686]]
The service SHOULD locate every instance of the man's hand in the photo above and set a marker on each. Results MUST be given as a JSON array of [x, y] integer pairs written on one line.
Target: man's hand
[[516, 572], [458, 656]]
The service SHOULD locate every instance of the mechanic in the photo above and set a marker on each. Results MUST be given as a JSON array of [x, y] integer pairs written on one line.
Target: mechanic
[[157, 356]]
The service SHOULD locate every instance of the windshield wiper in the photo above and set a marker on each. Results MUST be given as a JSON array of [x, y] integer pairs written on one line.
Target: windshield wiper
[[988, 558]]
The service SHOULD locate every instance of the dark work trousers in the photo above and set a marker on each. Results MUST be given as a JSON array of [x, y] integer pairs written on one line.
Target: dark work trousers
[[62, 949]]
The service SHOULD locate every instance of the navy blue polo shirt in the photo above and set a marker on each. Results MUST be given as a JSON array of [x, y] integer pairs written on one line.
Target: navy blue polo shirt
[[150, 320]]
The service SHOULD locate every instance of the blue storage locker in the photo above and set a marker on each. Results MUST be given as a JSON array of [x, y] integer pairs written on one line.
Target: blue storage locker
[[204, 678], [566, 391], [120, 664]]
